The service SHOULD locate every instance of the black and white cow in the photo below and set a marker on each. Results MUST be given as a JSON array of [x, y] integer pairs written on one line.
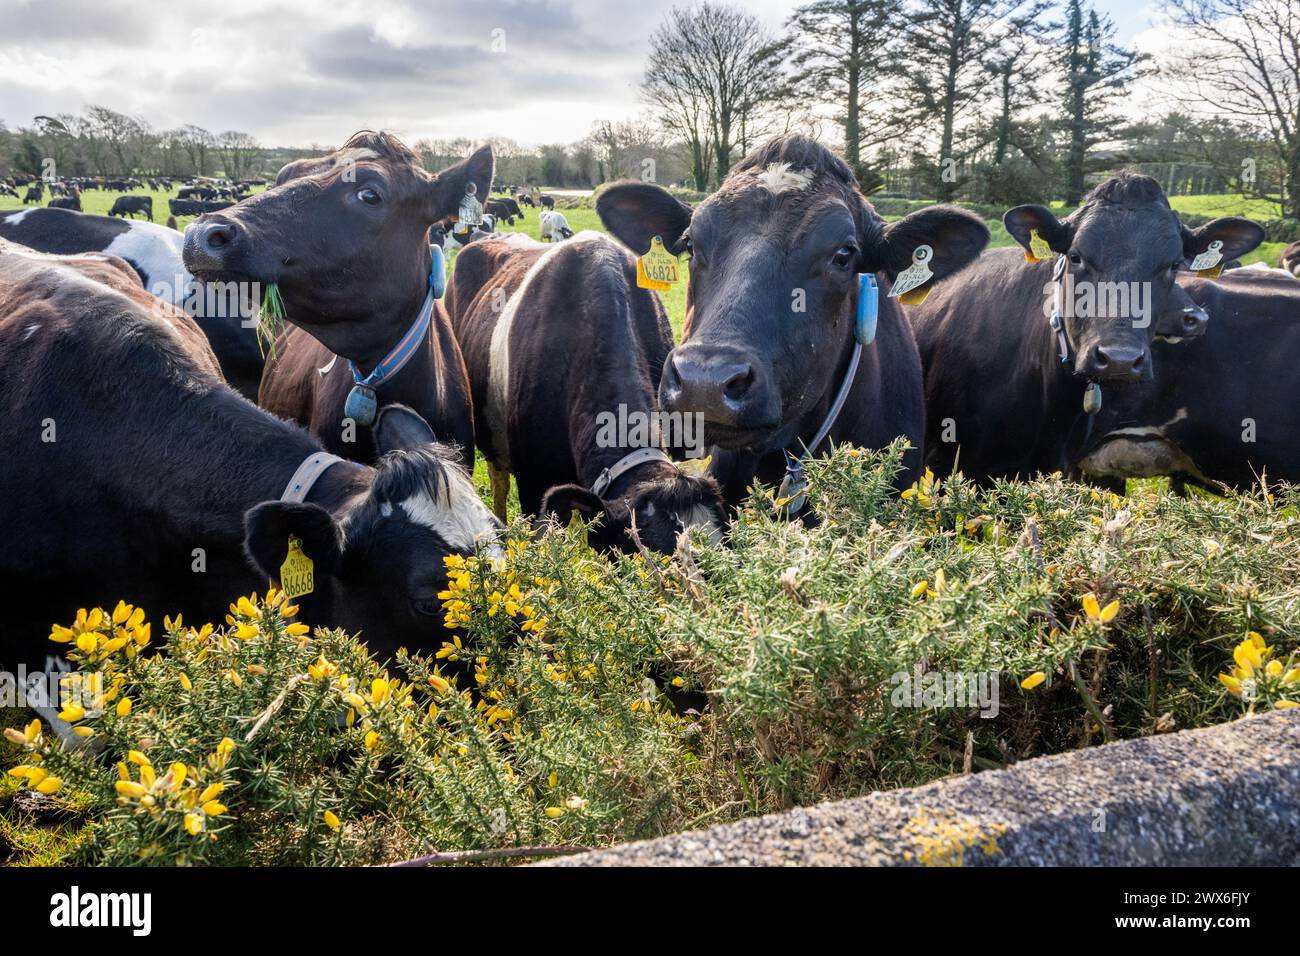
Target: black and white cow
[[156, 457], [155, 253], [545, 426], [778, 255]]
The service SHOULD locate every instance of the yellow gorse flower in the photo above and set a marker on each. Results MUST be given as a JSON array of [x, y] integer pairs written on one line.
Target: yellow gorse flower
[[1096, 613]]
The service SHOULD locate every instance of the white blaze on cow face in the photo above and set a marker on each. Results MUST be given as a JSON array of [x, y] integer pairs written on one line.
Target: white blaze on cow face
[[703, 517], [498, 396], [462, 520], [779, 178]]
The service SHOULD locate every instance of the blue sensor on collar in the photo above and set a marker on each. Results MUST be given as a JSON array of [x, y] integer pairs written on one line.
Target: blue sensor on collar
[[864, 330], [438, 272]]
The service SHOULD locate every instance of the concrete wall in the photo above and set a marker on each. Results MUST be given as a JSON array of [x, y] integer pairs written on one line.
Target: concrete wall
[[1226, 795]]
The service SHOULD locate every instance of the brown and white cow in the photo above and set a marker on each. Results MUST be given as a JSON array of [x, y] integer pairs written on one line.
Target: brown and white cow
[[777, 256], [344, 240], [561, 343]]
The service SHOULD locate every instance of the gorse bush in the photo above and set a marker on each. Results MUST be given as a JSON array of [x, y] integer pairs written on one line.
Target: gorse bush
[[575, 699]]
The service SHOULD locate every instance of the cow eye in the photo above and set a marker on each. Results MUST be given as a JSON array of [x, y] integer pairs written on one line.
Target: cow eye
[[844, 256], [1075, 259], [427, 607], [369, 196]]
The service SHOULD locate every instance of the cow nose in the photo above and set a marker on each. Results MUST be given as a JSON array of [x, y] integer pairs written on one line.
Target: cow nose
[[213, 237], [722, 387], [1118, 363]]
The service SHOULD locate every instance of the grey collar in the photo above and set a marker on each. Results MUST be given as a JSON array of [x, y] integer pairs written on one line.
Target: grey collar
[[625, 464], [312, 467]]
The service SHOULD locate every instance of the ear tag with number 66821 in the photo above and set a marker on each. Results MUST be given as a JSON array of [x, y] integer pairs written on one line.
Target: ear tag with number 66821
[[657, 269], [297, 574]]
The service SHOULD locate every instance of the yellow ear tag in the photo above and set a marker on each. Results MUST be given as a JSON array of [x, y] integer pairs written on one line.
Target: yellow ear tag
[[695, 466], [297, 574], [657, 269], [1039, 250], [915, 296], [1211, 273]]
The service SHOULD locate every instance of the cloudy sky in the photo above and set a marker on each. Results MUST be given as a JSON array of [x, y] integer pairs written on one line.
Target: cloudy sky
[[304, 72]]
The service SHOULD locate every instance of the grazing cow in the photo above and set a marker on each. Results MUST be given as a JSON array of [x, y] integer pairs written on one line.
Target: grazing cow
[[352, 262], [7, 190], [34, 194], [498, 209], [155, 254], [195, 207], [527, 200], [1290, 259], [65, 202], [1007, 395], [155, 457], [132, 205], [1224, 409], [544, 427], [512, 206], [553, 227], [778, 256], [548, 202]]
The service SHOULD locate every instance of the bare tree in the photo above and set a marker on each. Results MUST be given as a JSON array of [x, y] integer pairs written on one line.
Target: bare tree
[[239, 152], [197, 143], [715, 77], [1244, 64]]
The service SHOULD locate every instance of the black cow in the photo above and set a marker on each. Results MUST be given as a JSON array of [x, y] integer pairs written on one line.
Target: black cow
[[558, 434], [548, 202], [132, 205], [155, 254], [194, 207], [34, 193], [500, 210], [345, 238], [65, 202], [1005, 393], [1224, 409], [157, 464], [777, 257]]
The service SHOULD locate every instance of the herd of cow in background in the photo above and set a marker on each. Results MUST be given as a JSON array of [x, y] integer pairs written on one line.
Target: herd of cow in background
[[192, 199], [156, 453]]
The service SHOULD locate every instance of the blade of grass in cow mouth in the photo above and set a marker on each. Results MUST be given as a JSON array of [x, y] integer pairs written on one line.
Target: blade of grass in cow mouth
[[270, 319]]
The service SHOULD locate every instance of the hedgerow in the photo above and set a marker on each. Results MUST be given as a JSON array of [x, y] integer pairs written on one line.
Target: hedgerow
[[575, 699]]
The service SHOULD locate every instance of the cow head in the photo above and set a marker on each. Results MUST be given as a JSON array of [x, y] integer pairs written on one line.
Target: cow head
[[662, 507], [1122, 248], [775, 255], [379, 564], [342, 237]]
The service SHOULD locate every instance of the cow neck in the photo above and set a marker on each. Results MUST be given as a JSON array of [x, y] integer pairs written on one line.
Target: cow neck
[[866, 309], [1065, 382]]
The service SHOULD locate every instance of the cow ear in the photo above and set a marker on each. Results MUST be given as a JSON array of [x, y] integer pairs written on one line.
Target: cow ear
[[398, 427], [637, 212], [450, 185], [1239, 236], [563, 500], [268, 527], [955, 235], [1022, 221]]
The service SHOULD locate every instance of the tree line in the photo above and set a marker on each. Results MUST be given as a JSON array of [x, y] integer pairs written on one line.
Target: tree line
[[999, 101]]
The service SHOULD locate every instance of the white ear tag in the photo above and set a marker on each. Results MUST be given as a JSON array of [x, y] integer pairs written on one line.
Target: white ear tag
[[1209, 258], [915, 275]]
